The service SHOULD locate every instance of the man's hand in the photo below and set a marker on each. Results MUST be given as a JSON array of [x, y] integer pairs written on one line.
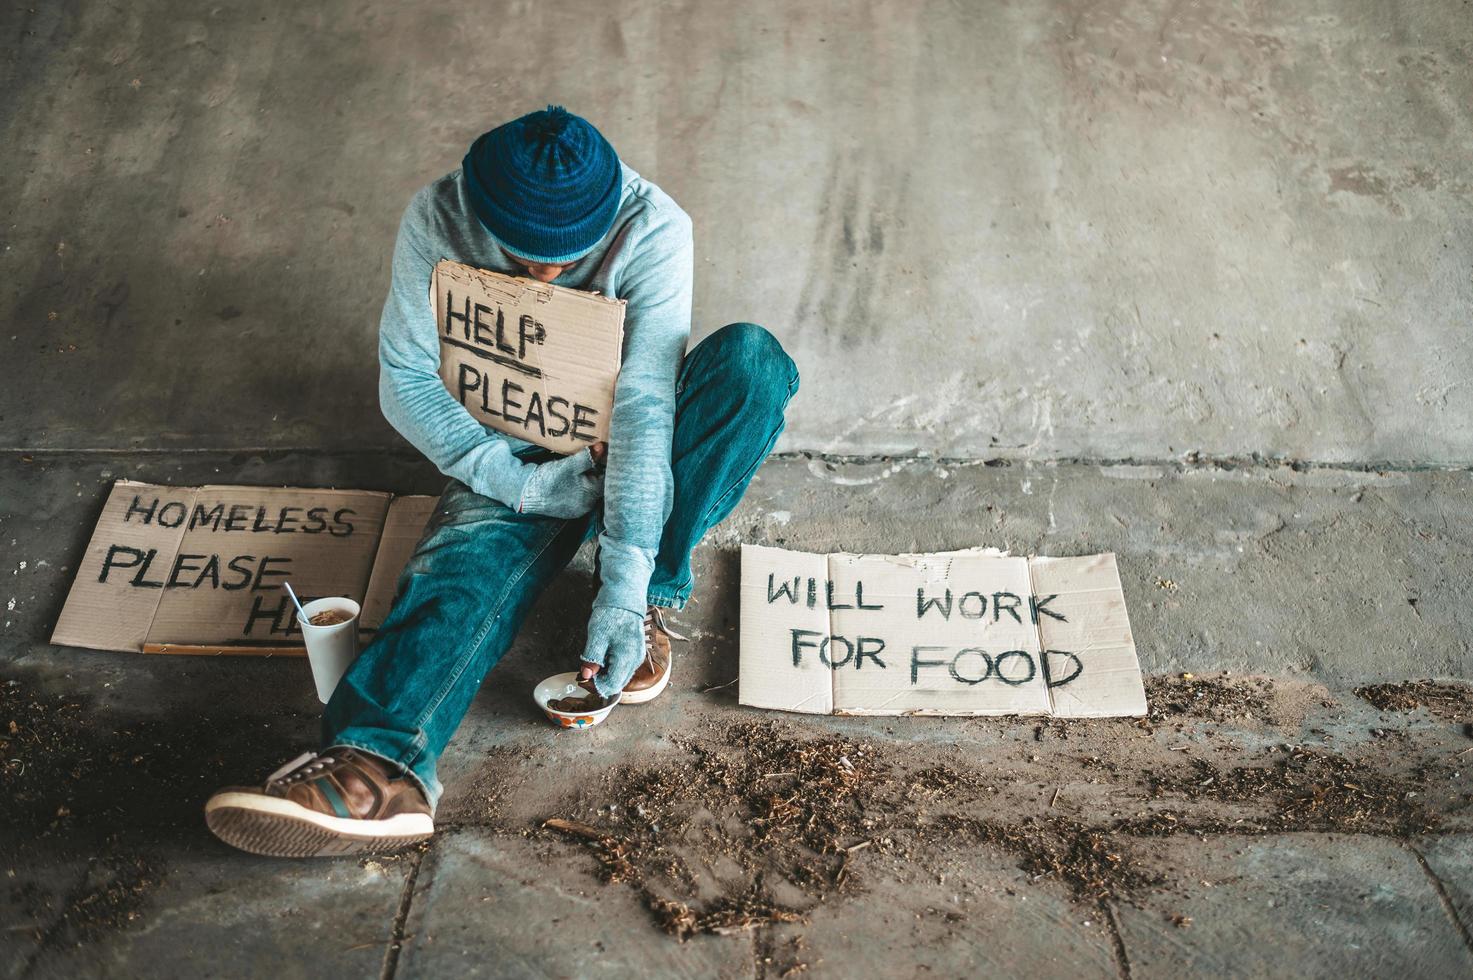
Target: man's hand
[[568, 487], [614, 651]]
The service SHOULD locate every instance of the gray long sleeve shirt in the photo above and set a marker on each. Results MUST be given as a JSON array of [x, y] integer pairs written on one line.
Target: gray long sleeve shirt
[[646, 260]]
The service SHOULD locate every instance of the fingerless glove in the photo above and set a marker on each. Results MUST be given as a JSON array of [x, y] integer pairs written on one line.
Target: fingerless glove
[[567, 487]]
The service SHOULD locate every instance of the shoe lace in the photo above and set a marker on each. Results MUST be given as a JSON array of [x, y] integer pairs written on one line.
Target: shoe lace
[[308, 765], [655, 619]]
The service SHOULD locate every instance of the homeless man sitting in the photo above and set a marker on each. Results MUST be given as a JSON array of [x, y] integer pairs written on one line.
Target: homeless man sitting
[[543, 196]]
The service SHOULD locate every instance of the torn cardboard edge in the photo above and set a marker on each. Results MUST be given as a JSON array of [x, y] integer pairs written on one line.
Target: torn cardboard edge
[[536, 361], [199, 570], [968, 632]]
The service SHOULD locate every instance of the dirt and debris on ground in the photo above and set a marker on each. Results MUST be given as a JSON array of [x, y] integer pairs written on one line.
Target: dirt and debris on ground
[[750, 824], [759, 822], [108, 801], [1224, 698], [1450, 702], [1308, 790], [780, 815]]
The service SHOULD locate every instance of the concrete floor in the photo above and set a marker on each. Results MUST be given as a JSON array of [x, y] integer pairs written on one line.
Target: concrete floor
[[1188, 282]]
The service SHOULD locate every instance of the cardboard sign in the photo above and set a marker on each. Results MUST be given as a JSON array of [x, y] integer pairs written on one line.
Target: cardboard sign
[[402, 529], [200, 569], [533, 360], [973, 632]]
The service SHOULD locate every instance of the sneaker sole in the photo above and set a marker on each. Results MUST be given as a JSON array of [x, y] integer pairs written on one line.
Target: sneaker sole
[[652, 692], [274, 827]]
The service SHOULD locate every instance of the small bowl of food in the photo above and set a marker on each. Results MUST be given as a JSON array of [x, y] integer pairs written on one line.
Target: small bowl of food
[[567, 704]]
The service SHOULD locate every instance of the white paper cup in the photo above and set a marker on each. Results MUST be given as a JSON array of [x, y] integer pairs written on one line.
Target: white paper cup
[[331, 650]]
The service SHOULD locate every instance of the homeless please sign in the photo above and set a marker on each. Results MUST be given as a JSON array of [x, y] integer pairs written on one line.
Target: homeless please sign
[[973, 632], [533, 360], [200, 569]]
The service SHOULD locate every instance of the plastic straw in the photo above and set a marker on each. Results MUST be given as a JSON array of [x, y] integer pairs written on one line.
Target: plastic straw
[[301, 615]]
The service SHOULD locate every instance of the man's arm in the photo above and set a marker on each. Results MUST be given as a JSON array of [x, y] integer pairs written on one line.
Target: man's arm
[[638, 488], [411, 394]]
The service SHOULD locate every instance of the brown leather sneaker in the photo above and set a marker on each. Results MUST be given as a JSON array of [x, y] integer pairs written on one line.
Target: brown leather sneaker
[[654, 673], [339, 802]]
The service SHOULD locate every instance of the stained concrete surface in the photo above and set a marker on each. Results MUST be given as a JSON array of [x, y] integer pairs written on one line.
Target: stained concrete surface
[[1123, 230], [1321, 907], [1341, 576], [972, 915], [1259, 570], [213, 916], [1450, 860], [1349, 548], [484, 894], [1061, 277], [577, 931]]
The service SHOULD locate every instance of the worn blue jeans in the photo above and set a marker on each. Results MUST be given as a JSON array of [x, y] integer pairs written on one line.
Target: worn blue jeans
[[480, 565]]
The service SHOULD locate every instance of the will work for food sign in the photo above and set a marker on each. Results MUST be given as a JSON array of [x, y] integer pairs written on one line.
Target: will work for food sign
[[957, 633], [533, 360]]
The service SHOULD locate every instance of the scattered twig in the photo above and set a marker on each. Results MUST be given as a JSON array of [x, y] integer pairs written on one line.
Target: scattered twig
[[737, 928], [849, 852], [1057, 791], [717, 687], [575, 828]]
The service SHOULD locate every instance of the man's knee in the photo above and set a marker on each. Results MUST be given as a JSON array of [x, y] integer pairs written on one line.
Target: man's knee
[[757, 357]]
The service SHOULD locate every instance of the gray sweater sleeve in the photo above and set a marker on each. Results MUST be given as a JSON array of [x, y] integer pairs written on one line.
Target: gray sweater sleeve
[[638, 487], [411, 394]]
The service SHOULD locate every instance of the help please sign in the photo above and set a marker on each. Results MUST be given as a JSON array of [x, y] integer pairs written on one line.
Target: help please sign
[[527, 358], [973, 632]]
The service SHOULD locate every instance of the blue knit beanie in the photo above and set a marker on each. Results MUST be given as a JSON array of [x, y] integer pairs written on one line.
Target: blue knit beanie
[[546, 185]]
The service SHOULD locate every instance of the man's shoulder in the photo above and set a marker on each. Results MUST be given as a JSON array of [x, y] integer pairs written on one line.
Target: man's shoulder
[[649, 210], [440, 224], [437, 201]]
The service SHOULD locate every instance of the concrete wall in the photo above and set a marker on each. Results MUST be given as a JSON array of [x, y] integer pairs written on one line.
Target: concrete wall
[[1129, 229]]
